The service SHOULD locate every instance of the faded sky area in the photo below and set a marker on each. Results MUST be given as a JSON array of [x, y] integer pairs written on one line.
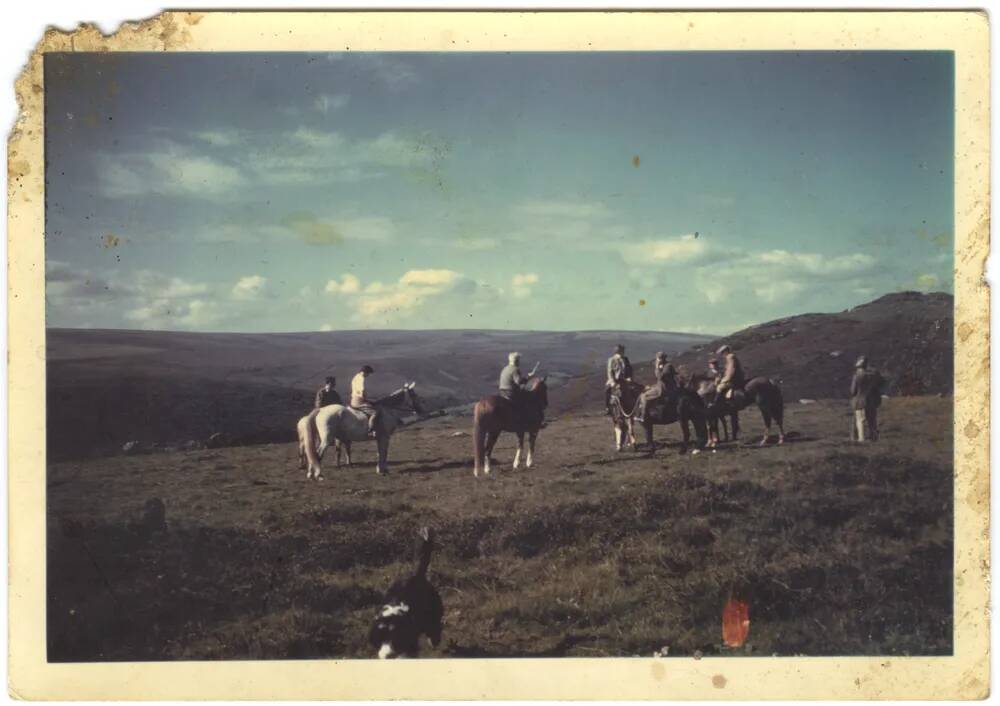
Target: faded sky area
[[697, 191]]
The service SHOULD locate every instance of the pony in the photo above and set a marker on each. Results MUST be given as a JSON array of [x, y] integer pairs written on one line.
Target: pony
[[494, 414], [684, 407], [705, 387], [337, 422], [763, 391]]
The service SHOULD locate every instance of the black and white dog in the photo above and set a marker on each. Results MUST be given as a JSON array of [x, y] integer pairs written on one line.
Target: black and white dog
[[412, 608]]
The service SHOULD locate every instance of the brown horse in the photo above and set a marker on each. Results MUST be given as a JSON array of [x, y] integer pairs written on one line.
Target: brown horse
[[705, 387], [763, 391], [495, 414], [683, 407]]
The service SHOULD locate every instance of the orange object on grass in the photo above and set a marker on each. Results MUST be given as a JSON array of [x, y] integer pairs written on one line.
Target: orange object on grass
[[735, 623]]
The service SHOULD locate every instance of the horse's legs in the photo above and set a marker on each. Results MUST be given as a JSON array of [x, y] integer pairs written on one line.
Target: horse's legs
[[619, 434], [725, 428], [648, 427], [767, 426], [382, 465], [736, 426], [520, 446], [491, 440], [531, 448], [347, 451]]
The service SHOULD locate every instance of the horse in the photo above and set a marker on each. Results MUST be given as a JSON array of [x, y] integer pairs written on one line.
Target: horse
[[494, 414], [705, 387], [337, 422], [763, 391], [683, 406]]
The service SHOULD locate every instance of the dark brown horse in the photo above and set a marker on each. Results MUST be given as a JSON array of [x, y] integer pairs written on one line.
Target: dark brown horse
[[684, 407], [495, 414], [763, 391]]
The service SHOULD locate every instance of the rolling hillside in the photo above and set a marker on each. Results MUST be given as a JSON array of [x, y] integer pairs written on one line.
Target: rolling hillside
[[109, 387]]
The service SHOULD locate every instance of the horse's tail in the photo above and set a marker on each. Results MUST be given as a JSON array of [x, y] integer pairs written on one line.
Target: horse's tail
[[478, 436], [311, 433], [779, 405]]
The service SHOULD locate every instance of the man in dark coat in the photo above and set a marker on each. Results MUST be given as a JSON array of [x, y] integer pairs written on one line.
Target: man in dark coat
[[665, 384], [866, 396], [327, 395]]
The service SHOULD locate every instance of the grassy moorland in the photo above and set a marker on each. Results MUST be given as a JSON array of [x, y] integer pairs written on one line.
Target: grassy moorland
[[838, 548]]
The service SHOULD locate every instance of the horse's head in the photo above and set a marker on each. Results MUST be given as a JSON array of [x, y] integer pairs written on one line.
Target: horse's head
[[541, 391], [410, 394]]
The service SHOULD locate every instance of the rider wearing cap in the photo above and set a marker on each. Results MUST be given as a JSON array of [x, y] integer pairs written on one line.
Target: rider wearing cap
[[512, 381], [733, 377], [360, 400], [327, 395], [666, 384], [866, 396], [619, 370]]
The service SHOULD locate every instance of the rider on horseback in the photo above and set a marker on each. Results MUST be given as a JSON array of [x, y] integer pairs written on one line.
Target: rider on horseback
[[512, 381], [733, 378], [360, 401], [665, 385], [619, 370]]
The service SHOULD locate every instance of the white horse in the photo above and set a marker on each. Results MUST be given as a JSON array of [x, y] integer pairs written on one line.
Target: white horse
[[339, 423]]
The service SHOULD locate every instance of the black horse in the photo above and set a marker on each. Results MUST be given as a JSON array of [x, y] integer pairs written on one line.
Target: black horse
[[682, 406], [763, 391]]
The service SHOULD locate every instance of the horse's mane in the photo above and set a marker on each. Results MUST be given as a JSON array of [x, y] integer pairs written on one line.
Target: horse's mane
[[398, 393]]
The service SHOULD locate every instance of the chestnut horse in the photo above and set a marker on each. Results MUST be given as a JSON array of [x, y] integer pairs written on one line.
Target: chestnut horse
[[684, 406], [495, 414]]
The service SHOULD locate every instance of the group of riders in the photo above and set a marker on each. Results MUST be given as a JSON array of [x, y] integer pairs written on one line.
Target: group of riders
[[360, 400], [666, 384], [724, 368]]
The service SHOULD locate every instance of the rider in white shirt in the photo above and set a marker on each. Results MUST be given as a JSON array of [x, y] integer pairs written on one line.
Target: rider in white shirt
[[359, 398]]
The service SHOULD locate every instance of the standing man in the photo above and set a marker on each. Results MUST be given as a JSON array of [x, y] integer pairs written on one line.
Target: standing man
[[866, 396], [733, 377], [512, 380], [359, 398], [327, 395], [619, 370]]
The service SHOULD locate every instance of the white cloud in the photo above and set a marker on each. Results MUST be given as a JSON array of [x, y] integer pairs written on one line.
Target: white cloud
[[684, 249], [172, 314], [182, 168], [249, 287], [927, 281], [781, 276], [349, 284], [522, 283], [325, 103], [167, 168], [326, 327], [435, 293]]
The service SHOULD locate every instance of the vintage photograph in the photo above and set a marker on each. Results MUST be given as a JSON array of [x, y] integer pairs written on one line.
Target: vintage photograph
[[498, 354]]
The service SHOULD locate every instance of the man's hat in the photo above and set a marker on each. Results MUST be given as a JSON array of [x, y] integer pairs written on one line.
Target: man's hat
[[723, 350], [368, 369], [861, 362], [619, 348], [331, 380], [660, 355]]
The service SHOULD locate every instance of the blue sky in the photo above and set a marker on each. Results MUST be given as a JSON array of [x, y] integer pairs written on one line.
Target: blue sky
[[694, 191]]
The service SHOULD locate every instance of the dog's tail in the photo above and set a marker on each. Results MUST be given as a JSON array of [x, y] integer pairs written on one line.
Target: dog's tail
[[426, 546]]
